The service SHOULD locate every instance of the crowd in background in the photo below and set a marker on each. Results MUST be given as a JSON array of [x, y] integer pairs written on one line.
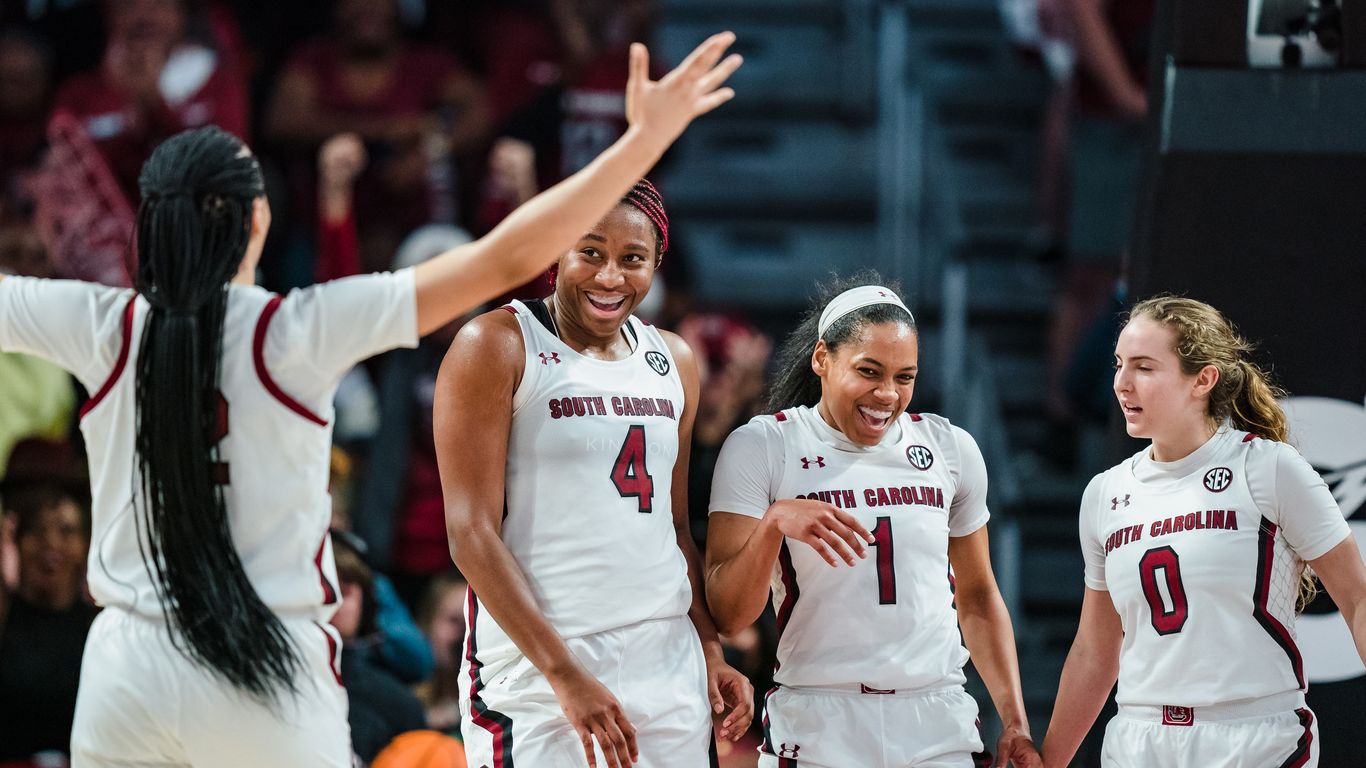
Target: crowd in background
[[389, 130]]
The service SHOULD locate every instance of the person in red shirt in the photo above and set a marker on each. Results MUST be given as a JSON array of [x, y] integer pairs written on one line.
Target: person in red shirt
[[154, 81]]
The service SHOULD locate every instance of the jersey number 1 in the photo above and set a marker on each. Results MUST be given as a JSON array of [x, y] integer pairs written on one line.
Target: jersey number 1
[[886, 571], [629, 473]]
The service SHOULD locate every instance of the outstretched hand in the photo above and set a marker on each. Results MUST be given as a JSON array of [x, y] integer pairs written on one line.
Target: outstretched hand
[[665, 107]]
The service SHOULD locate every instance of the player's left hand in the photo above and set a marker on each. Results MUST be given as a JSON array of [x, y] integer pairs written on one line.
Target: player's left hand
[[727, 689], [1016, 748]]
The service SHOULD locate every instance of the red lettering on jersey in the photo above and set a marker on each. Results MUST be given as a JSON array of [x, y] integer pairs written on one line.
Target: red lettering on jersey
[[939, 497], [882, 499], [1231, 520], [627, 406], [894, 494], [616, 406], [869, 498], [848, 495]]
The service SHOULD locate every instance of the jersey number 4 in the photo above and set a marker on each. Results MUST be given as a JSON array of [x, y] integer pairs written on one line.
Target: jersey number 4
[[630, 474], [1166, 620]]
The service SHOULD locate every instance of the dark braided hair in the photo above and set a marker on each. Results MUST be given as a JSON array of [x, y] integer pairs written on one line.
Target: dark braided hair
[[645, 197], [193, 226], [796, 384]]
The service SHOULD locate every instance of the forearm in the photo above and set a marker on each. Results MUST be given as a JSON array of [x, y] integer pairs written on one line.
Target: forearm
[[494, 575], [1087, 677], [1355, 615], [990, 639], [737, 587]]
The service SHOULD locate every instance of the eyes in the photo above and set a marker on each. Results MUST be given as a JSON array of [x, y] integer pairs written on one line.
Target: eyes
[[593, 254], [1136, 366], [873, 373]]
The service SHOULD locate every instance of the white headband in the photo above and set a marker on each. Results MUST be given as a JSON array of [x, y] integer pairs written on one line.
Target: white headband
[[856, 298]]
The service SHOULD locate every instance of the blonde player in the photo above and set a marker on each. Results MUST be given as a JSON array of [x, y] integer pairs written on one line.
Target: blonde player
[[562, 431], [208, 434], [850, 511], [1195, 552]]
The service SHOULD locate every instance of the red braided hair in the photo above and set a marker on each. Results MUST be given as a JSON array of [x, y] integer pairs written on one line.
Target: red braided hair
[[645, 197]]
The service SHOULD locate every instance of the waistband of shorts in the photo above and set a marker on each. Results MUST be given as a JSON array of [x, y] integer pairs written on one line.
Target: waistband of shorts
[[861, 689], [1172, 714], [288, 617]]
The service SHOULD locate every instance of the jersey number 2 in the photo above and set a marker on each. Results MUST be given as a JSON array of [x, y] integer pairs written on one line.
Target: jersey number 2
[[629, 473], [1165, 621]]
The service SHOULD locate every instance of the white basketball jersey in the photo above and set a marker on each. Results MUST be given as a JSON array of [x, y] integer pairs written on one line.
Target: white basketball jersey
[[888, 622], [282, 358], [1202, 559], [590, 465]]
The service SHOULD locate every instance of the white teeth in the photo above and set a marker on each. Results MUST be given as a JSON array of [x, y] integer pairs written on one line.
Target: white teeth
[[872, 414], [611, 302]]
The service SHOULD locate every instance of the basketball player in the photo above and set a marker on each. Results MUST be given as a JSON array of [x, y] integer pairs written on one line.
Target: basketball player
[[562, 433], [209, 430], [1195, 554], [851, 511]]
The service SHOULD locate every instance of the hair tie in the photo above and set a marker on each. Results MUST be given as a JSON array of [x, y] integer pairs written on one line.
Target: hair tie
[[857, 298]]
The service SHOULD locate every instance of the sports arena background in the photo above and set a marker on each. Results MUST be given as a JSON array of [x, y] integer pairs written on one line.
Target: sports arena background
[[1022, 167]]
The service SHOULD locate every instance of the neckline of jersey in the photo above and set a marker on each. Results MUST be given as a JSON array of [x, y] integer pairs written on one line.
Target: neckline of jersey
[[1147, 469], [636, 351]]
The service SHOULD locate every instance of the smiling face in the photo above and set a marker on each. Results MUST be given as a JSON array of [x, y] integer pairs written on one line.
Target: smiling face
[[606, 275], [1160, 401], [867, 382], [52, 553]]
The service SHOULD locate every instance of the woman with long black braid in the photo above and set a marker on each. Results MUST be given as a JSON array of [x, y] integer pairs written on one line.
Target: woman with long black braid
[[208, 433]]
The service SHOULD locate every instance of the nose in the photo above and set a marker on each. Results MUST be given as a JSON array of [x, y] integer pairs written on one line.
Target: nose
[[610, 274], [885, 391], [1123, 381]]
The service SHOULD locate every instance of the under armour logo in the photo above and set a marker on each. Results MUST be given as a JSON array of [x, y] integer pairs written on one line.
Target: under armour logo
[[790, 752], [553, 357], [883, 294], [1116, 501], [819, 461]]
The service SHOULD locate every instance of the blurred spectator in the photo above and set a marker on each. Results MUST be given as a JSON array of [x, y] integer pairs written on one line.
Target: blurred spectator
[[401, 511], [381, 707], [441, 615], [1112, 41], [578, 111], [43, 624], [732, 358], [155, 80], [25, 95], [39, 398], [411, 105]]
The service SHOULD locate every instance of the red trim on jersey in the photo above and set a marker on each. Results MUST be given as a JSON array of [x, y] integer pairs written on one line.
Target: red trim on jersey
[[509, 308], [1249, 437], [915, 417], [1300, 757], [1266, 555], [496, 723], [329, 591], [780, 416], [764, 746], [792, 591], [258, 354], [333, 658], [119, 364]]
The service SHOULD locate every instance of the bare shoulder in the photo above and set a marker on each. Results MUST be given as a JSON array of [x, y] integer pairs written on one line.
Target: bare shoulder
[[490, 344]]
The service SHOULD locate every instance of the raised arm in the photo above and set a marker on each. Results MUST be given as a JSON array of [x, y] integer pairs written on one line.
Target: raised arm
[[1088, 675], [472, 417], [725, 686], [525, 243], [990, 639]]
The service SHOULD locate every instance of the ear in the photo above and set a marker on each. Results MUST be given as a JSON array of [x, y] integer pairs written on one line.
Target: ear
[[260, 218], [1205, 381], [820, 358]]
